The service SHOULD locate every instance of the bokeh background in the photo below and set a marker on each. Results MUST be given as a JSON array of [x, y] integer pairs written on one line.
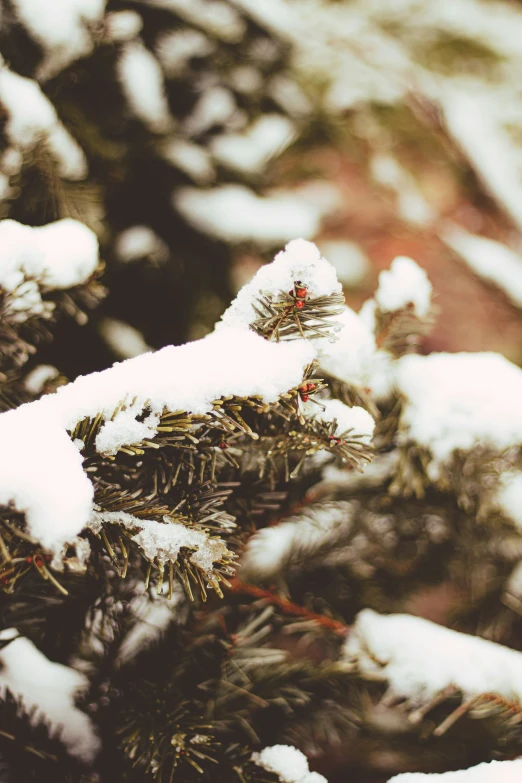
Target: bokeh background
[[196, 137]]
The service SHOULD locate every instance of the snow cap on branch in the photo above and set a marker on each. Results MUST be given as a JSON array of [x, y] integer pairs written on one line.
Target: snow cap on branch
[[270, 549], [288, 763], [433, 659], [59, 255], [300, 260], [492, 772], [459, 401], [50, 688]]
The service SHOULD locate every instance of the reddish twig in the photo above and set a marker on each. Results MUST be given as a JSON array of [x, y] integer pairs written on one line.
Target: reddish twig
[[287, 607]]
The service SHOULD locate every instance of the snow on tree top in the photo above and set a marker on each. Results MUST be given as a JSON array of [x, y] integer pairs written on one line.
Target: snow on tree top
[[299, 261], [492, 772], [459, 401], [433, 659]]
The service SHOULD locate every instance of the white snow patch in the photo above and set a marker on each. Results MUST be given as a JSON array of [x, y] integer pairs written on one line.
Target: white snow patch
[[36, 448], [50, 688], [153, 615], [288, 763], [403, 284], [508, 498], [487, 772], [122, 338], [353, 420], [350, 262], [35, 381], [249, 152], [174, 49], [492, 261], [32, 118], [140, 242], [473, 120], [217, 18], [433, 659], [411, 204], [141, 79], [62, 28], [193, 159], [234, 213], [163, 541], [459, 401], [58, 255], [123, 25], [215, 106], [354, 357], [267, 552], [300, 260]]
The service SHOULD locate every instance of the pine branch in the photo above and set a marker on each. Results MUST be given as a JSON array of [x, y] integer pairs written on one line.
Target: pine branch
[[289, 316], [288, 607]]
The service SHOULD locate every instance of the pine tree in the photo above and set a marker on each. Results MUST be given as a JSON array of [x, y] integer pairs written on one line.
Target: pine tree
[[292, 545]]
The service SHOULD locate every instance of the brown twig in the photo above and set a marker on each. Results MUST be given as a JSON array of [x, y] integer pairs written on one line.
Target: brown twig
[[287, 607]]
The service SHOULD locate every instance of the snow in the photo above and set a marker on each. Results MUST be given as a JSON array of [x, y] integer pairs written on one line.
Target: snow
[[32, 118], [175, 48], [193, 160], [355, 421], [35, 381], [487, 772], [217, 18], [472, 119], [459, 401], [42, 475], [163, 541], [354, 358], [350, 262], [123, 25], [122, 338], [375, 474], [270, 549], [35, 443], [411, 204], [153, 614], [300, 260], [249, 152], [234, 213], [246, 79], [50, 689], [139, 242], [508, 498], [433, 659], [492, 261], [215, 106], [141, 79], [288, 763], [403, 284], [58, 255], [62, 28]]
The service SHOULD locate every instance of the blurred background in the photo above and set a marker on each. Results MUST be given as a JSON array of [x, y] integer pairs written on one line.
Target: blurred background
[[196, 137]]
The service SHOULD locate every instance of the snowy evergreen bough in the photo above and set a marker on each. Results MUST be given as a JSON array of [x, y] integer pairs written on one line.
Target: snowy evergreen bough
[[290, 550], [215, 550]]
